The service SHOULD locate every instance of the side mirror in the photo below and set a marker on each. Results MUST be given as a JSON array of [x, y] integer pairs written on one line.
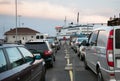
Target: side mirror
[[37, 56]]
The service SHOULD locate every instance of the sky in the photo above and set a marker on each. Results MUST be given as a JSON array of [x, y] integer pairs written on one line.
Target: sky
[[45, 15]]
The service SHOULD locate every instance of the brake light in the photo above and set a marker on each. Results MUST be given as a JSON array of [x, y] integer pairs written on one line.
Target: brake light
[[47, 52], [110, 50]]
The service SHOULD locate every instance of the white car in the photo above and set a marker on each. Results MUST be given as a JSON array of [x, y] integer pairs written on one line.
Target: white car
[[102, 54]]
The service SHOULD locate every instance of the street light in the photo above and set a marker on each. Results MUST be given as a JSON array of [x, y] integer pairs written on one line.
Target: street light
[[16, 18], [19, 19]]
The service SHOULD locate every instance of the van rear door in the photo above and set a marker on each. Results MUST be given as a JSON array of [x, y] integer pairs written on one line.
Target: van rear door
[[117, 52]]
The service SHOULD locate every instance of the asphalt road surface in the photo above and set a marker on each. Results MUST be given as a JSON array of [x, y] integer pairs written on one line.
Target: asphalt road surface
[[69, 68]]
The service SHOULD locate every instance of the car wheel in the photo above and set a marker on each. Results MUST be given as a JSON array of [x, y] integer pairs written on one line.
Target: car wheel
[[54, 59], [80, 57], [78, 54], [99, 75], [85, 64], [51, 63]]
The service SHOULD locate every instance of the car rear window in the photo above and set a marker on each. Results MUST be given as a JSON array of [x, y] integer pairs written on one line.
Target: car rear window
[[117, 38], [80, 40], [37, 46]]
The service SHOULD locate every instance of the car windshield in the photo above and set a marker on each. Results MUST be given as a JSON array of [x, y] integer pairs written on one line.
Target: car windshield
[[50, 41], [37, 46], [81, 39]]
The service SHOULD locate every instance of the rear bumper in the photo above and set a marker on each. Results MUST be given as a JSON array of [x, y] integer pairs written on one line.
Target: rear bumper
[[108, 75], [48, 59]]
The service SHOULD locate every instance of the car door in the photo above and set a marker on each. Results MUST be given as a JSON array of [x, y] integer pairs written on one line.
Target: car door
[[91, 51], [18, 64], [5, 73], [117, 52], [35, 66]]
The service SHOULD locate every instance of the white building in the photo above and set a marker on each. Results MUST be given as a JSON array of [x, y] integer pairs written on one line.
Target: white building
[[23, 35]]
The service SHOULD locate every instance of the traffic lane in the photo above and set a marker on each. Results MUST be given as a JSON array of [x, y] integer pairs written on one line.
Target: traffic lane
[[79, 72], [58, 73]]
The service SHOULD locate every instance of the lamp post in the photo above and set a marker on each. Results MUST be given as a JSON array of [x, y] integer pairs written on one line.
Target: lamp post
[[16, 18], [19, 19]]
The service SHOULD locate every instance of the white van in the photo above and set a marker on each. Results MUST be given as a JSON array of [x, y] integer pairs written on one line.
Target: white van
[[102, 53]]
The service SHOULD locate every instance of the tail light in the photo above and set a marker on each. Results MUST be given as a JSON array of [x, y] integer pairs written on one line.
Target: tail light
[[47, 52], [110, 49]]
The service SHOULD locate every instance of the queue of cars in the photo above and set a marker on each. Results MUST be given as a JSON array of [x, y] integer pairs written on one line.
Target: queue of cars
[[26, 62], [101, 53]]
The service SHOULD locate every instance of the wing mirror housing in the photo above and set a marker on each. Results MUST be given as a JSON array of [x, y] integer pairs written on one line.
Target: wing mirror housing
[[37, 56]]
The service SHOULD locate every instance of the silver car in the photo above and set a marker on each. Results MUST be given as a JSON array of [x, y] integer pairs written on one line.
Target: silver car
[[103, 53]]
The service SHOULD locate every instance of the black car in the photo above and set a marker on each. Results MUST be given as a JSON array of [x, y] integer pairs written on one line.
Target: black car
[[18, 64], [42, 47]]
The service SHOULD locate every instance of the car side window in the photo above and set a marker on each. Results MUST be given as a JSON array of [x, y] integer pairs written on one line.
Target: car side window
[[93, 38], [102, 38], [15, 56], [27, 54], [3, 64]]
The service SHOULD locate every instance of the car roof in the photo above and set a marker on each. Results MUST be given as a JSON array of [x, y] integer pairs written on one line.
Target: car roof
[[104, 28], [40, 40], [82, 38], [9, 45]]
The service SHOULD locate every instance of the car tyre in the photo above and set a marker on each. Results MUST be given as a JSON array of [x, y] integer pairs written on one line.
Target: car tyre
[[52, 62], [78, 54], [99, 75], [85, 65], [54, 59], [81, 57]]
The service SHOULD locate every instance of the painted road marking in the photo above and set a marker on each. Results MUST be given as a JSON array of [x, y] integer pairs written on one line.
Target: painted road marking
[[70, 71]]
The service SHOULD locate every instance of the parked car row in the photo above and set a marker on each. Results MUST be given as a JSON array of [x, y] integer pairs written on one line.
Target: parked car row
[[101, 53], [76, 43], [26, 62]]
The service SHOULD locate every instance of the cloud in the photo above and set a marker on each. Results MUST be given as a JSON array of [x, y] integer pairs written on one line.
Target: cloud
[[93, 19], [44, 9], [40, 9], [4, 2]]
